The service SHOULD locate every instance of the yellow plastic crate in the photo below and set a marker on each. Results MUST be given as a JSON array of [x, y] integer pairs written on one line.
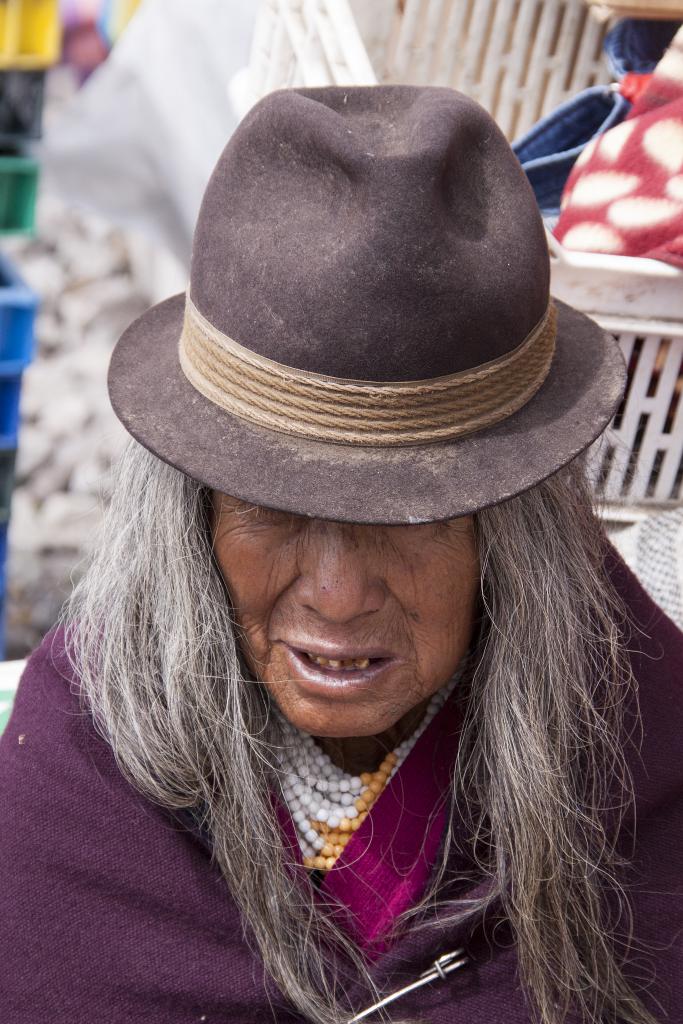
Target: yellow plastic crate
[[30, 33]]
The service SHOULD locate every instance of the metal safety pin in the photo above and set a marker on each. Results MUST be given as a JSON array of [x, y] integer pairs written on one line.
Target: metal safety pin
[[439, 971]]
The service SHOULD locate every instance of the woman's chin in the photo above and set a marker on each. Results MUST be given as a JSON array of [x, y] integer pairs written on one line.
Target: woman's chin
[[332, 719], [337, 726]]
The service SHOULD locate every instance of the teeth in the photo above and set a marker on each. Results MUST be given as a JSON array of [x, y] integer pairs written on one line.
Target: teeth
[[339, 662]]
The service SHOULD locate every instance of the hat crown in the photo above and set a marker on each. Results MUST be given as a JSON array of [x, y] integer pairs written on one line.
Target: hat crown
[[380, 233]]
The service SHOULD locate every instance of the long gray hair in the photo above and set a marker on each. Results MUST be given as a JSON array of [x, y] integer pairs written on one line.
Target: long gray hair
[[540, 762]]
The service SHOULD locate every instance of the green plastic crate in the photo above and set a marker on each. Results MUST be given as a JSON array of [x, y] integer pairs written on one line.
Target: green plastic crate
[[18, 191], [6, 702]]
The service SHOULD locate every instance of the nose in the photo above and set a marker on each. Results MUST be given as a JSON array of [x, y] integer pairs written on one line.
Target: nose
[[336, 579]]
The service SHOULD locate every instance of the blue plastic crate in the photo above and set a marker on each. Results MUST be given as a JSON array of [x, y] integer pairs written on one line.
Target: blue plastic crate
[[10, 392], [18, 304]]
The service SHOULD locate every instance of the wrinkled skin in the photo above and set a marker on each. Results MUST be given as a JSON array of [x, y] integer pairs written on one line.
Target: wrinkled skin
[[300, 585]]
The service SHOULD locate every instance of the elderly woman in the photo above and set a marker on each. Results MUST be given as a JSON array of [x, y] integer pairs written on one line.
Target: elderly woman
[[341, 724]]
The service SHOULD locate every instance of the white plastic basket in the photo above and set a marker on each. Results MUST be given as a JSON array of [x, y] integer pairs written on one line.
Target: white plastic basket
[[518, 58], [640, 301]]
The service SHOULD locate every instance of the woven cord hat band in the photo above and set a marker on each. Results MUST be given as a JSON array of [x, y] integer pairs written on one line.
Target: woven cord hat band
[[355, 412]]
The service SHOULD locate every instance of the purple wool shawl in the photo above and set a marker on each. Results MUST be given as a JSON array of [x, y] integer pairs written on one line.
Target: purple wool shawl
[[111, 911]]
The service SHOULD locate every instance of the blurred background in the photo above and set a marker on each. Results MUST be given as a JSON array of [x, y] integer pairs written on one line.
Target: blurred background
[[112, 115]]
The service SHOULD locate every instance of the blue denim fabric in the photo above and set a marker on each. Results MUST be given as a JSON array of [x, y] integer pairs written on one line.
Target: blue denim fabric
[[635, 45], [548, 151]]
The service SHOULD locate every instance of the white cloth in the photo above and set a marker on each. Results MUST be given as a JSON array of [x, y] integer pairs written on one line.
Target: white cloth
[[653, 549], [139, 141]]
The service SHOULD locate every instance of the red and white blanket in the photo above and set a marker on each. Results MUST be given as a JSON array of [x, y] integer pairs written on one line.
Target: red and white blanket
[[625, 192]]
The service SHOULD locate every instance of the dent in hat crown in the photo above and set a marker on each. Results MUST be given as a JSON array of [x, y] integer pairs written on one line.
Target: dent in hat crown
[[384, 233]]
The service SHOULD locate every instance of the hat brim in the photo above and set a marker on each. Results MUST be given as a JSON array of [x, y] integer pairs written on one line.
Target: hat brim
[[415, 484]]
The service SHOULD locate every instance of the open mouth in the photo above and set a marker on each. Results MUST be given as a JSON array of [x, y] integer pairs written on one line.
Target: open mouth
[[343, 664], [340, 666], [339, 672]]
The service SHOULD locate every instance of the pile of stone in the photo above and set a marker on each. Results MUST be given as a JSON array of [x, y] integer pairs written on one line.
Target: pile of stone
[[69, 436]]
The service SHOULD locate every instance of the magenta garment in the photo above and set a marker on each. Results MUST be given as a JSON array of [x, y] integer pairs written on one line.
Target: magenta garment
[[386, 864], [111, 912]]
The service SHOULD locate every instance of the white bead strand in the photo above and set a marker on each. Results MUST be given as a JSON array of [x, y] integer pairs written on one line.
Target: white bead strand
[[323, 798]]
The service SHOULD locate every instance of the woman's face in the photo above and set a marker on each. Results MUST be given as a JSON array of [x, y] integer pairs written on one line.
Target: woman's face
[[349, 626]]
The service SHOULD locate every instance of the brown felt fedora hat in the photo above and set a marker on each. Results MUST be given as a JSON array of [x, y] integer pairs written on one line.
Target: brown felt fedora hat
[[368, 334]]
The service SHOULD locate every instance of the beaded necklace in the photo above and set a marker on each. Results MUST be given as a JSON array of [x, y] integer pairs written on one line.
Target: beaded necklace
[[328, 804]]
